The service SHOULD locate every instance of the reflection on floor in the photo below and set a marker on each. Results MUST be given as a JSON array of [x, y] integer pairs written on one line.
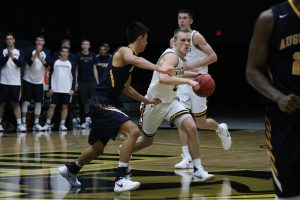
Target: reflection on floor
[[29, 162]]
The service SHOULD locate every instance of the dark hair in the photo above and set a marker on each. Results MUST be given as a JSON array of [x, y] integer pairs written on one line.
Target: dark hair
[[183, 30], [85, 40], [134, 30], [10, 34], [64, 47], [189, 12], [40, 36]]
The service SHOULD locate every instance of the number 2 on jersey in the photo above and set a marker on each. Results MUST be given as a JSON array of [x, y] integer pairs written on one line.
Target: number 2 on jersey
[[296, 63]]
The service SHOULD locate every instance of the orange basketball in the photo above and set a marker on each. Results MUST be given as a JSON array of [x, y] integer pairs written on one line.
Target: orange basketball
[[207, 85]]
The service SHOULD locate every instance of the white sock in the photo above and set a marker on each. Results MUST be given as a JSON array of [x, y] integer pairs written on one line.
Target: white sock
[[36, 120], [62, 121], [48, 121], [24, 120], [19, 121], [185, 152], [197, 163], [219, 129], [122, 164]]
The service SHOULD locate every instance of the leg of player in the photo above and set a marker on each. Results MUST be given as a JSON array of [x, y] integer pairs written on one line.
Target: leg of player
[[189, 127], [123, 182], [17, 112], [143, 142], [221, 129], [186, 162], [64, 114], [24, 109], [2, 106], [47, 126]]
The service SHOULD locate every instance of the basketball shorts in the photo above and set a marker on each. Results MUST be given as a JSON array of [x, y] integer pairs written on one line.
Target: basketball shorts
[[9, 93], [32, 91], [106, 123], [283, 142], [60, 98], [197, 105], [153, 115]]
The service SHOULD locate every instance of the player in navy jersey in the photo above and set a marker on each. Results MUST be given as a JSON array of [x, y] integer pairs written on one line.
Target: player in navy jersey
[[275, 48], [107, 120]]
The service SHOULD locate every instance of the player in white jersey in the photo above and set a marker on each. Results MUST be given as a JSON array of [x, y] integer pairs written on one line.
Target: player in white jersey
[[198, 58], [36, 58], [11, 61], [62, 85], [170, 108]]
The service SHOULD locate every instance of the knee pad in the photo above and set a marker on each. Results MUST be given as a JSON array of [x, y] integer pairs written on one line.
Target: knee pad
[[25, 105], [37, 108]]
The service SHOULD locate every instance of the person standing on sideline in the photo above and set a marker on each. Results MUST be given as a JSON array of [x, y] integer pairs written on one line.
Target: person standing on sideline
[[11, 61], [87, 79], [36, 57], [198, 58], [273, 69], [107, 120], [61, 85], [102, 60]]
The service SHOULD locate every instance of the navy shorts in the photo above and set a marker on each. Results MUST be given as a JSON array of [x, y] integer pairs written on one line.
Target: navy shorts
[[32, 91], [60, 98], [9, 93], [106, 123], [283, 142]]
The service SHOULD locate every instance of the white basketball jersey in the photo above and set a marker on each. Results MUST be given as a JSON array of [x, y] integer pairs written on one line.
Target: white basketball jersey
[[61, 80], [195, 55], [35, 72], [166, 93], [10, 72]]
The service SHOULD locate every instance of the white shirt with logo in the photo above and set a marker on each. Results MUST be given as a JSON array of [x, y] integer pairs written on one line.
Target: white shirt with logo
[[10, 72]]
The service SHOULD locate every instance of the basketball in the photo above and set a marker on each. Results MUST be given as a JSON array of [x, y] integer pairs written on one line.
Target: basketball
[[207, 85]]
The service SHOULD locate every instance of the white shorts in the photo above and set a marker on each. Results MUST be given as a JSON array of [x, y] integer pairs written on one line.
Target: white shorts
[[197, 105], [153, 115]]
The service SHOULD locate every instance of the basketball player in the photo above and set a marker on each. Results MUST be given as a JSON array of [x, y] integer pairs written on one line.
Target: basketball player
[[107, 120], [164, 88], [61, 85], [198, 58], [11, 61], [275, 49], [36, 58]]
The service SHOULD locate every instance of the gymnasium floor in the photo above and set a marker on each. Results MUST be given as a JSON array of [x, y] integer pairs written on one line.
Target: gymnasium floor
[[29, 162]]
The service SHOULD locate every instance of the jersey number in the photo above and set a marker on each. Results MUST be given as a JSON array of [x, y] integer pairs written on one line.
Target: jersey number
[[296, 63]]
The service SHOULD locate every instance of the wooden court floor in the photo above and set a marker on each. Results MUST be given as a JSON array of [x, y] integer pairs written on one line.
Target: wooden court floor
[[29, 162]]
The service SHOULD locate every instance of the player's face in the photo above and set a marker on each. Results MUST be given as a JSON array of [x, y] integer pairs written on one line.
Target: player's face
[[10, 41], [64, 53], [182, 42], [184, 21], [144, 42], [85, 45], [39, 42]]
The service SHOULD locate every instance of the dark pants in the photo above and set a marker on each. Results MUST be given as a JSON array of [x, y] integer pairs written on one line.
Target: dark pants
[[85, 91]]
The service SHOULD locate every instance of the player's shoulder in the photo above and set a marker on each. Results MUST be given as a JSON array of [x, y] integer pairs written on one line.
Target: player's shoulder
[[266, 16]]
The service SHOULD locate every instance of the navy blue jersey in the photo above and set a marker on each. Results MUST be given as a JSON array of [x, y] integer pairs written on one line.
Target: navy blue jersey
[[112, 83], [86, 66], [284, 50]]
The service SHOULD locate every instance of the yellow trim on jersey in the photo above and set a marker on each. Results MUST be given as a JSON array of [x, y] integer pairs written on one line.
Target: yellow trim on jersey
[[199, 114], [269, 145], [294, 8], [112, 78], [178, 114], [271, 156], [274, 169]]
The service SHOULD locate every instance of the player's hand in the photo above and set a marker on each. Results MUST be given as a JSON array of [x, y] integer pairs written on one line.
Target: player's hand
[[154, 101], [288, 103], [71, 93], [194, 84], [10, 53]]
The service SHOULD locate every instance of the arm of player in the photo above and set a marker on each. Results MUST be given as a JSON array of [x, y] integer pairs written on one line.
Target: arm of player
[[170, 59], [20, 60], [3, 59], [257, 65], [140, 62], [96, 74], [189, 74], [202, 44], [131, 92]]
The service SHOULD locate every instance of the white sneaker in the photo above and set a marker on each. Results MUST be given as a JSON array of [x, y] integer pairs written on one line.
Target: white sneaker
[[1, 128], [201, 176], [47, 127], [21, 128], [71, 178], [225, 137], [185, 163], [84, 126], [62, 127], [126, 184], [37, 127]]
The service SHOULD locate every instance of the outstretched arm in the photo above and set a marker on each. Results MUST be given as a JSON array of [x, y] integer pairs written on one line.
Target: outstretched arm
[[257, 64], [131, 92], [200, 42]]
